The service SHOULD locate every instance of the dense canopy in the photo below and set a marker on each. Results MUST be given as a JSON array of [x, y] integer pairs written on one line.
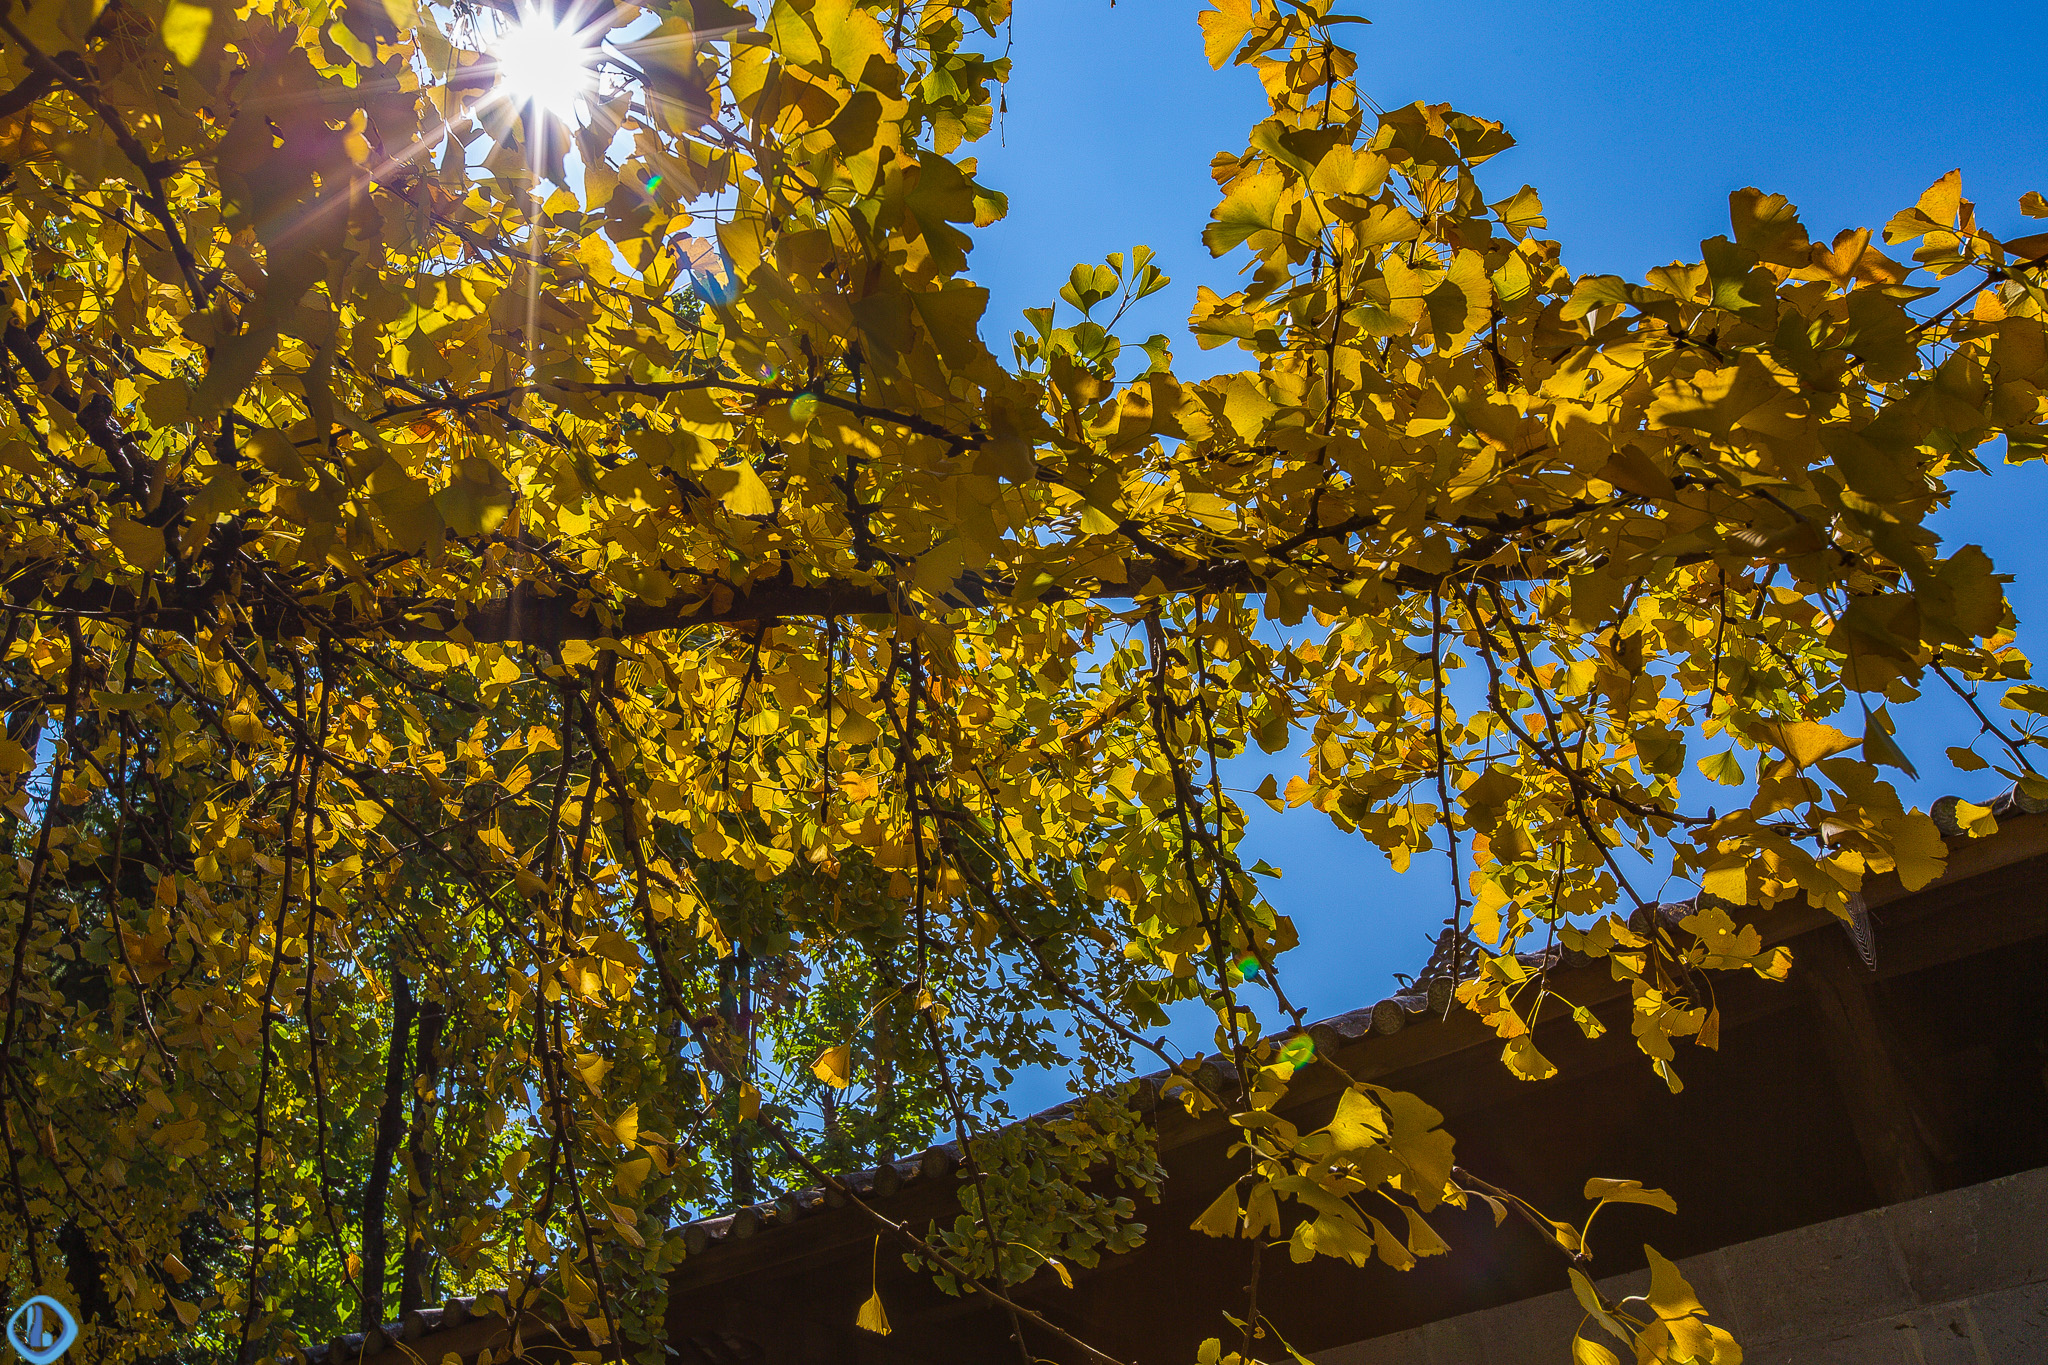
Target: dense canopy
[[559, 671]]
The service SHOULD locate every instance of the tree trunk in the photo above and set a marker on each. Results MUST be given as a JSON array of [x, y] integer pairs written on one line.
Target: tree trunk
[[85, 1269], [733, 981], [412, 1292], [885, 1087], [390, 1130]]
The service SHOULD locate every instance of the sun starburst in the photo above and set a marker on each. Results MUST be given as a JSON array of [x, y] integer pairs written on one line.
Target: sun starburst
[[546, 63]]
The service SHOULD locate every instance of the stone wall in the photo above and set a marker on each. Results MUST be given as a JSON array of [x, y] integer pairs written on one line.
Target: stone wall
[[1954, 1279]]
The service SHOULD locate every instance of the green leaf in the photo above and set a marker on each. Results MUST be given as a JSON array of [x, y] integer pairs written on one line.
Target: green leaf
[[1724, 768], [1879, 747], [1598, 291], [1248, 214]]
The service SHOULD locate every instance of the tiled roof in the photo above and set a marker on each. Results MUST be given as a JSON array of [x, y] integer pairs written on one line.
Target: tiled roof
[[1423, 1000], [1428, 998]]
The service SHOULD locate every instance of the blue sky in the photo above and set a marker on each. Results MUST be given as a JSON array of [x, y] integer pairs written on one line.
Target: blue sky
[[1635, 122]]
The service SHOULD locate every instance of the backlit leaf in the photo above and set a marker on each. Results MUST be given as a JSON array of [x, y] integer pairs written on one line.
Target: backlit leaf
[[835, 1066], [1629, 1192]]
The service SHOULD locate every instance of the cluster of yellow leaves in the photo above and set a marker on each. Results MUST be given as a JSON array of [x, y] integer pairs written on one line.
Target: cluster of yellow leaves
[[1675, 1330], [1378, 1141]]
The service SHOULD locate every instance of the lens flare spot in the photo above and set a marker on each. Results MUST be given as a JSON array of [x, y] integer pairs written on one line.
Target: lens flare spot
[[545, 64]]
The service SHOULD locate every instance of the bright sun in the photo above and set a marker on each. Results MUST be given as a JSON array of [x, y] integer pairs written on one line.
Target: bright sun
[[544, 63]]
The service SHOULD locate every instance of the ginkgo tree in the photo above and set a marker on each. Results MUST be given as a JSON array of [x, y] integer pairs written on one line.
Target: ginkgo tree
[[516, 567]]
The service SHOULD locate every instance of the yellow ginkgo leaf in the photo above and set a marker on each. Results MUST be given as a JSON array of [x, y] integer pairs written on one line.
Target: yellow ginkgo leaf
[[477, 501], [1917, 845], [740, 489], [1359, 1123], [1586, 1352], [142, 546], [628, 1175], [872, 1317], [185, 29], [1629, 1192], [1670, 1295], [1221, 1217], [1807, 742], [1723, 767], [835, 1066], [1525, 1061]]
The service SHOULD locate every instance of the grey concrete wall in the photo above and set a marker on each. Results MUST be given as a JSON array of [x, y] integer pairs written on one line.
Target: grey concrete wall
[[1956, 1279]]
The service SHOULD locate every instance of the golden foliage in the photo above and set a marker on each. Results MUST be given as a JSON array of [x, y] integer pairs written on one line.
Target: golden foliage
[[436, 533]]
